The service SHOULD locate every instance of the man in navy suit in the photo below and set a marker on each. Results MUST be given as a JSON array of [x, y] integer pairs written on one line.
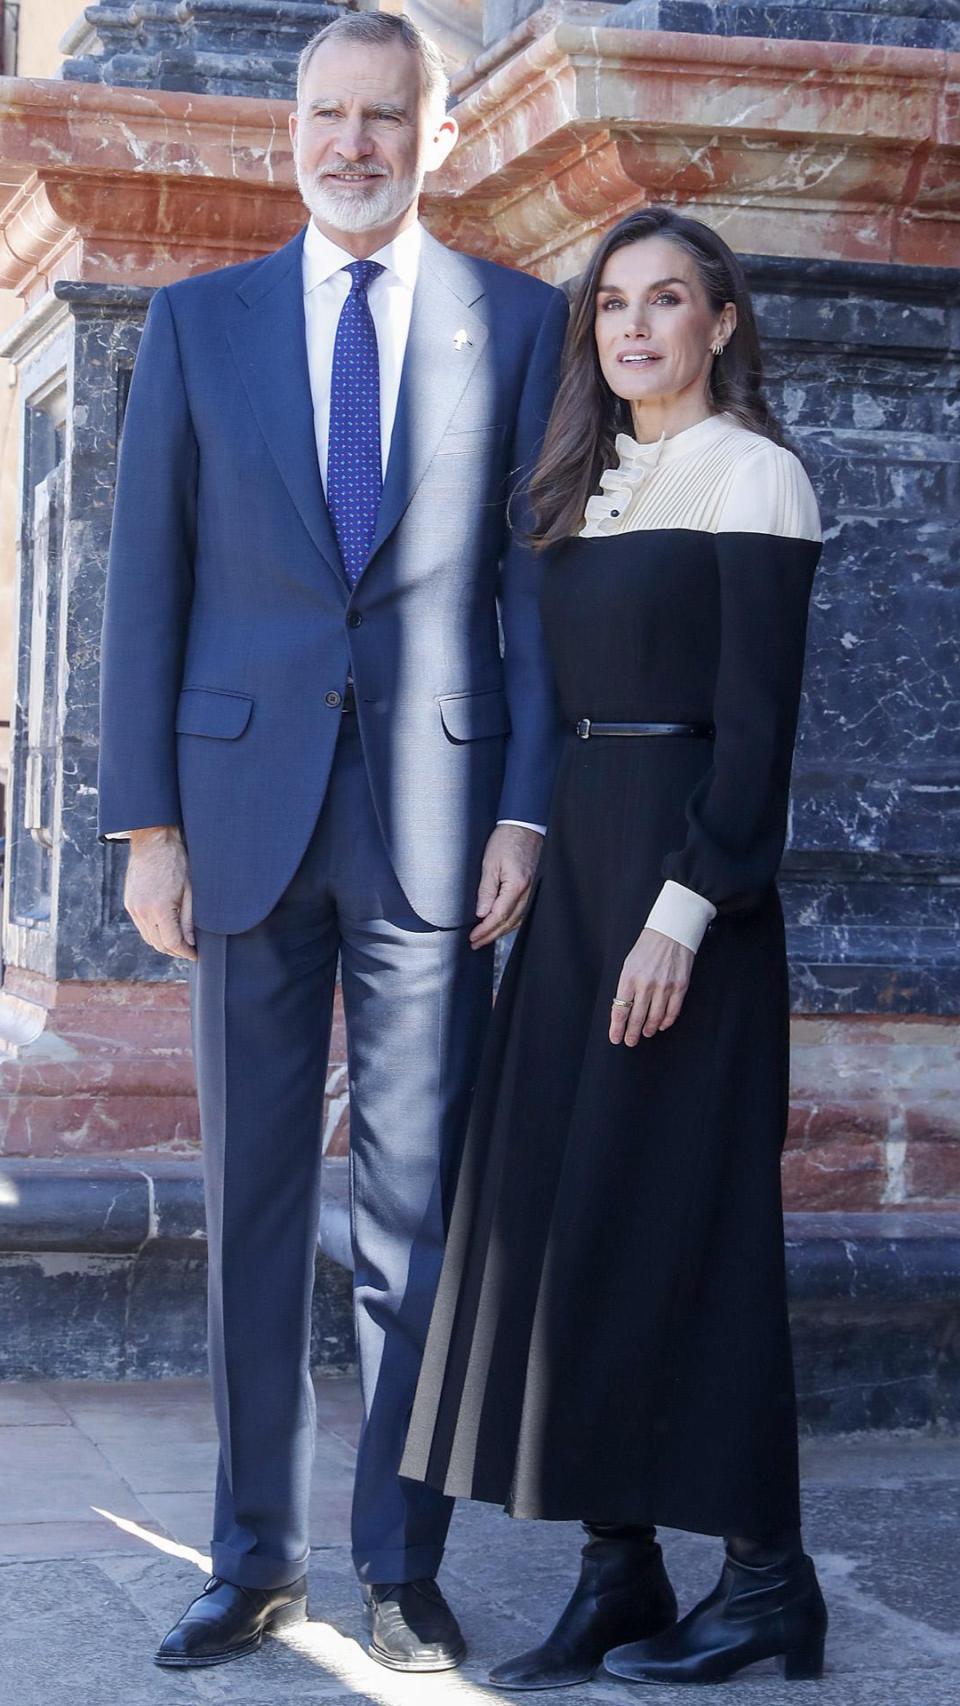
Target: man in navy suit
[[329, 732]]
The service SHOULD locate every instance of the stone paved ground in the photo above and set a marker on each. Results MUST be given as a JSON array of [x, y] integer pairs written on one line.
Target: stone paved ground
[[104, 1515]]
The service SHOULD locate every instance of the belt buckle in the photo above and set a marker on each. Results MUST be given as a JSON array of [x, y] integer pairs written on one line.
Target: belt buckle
[[583, 728]]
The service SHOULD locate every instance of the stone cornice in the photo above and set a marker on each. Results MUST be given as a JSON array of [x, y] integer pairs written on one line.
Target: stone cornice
[[788, 146], [113, 184], [166, 124]]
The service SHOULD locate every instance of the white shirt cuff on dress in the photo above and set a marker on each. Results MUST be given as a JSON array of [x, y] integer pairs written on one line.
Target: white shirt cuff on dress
[[681, 913]]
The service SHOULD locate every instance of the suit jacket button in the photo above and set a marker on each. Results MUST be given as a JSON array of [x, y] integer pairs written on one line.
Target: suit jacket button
[[333, 699], [354, 620]]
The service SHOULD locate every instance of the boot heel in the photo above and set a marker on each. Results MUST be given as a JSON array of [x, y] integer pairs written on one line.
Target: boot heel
[[287, 1616], [804, 1662]]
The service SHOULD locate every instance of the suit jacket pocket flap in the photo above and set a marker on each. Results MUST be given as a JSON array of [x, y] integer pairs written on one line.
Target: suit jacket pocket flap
[[210, 711], [470, 716]]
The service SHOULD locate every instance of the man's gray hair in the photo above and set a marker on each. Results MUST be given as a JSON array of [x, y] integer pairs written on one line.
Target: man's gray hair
[[379, 29]]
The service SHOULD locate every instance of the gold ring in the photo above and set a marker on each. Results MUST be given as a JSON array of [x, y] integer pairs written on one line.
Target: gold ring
[[616, 1002]]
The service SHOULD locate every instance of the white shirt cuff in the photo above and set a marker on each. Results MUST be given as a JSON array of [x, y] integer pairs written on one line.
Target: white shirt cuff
[[681, 913], [541, 829]]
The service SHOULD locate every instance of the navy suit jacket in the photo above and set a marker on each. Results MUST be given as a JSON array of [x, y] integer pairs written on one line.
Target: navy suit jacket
[[229, 628]]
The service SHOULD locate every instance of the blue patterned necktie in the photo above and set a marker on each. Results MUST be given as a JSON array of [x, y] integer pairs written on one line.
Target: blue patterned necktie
[[354, 476]]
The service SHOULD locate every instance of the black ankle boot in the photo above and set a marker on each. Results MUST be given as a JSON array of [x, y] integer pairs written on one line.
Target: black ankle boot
[[766, 1605], [623, 1594]]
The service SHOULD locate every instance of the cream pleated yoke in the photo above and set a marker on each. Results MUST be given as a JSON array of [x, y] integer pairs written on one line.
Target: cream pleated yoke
[[715, 477]]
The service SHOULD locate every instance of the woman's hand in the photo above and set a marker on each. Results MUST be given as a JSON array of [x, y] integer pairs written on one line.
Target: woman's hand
[[652, 987]]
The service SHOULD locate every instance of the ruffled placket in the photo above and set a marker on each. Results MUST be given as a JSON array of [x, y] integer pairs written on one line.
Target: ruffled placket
[[609, 510], [619, 504]]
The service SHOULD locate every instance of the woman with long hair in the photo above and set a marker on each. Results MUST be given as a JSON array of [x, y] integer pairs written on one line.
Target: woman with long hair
[[610, 1340]]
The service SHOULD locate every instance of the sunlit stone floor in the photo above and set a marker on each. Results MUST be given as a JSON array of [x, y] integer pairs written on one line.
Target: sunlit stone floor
[[104, 1514]]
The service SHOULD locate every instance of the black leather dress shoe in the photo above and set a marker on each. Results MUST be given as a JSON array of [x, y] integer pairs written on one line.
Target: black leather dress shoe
[[412, 1627], [768, 1611], [227, 1621], [623, 1594]]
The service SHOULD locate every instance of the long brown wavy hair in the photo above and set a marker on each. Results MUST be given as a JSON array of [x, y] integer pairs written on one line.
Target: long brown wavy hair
[[587, 415]]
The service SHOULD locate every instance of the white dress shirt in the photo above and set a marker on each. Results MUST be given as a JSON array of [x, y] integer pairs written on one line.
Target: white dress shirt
[[326, 287]]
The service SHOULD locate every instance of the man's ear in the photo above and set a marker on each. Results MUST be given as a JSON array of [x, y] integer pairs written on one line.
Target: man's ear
[[442, 143], [292, 127]]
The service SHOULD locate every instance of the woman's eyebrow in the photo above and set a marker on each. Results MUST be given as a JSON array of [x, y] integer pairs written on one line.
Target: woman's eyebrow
[[616, 290]]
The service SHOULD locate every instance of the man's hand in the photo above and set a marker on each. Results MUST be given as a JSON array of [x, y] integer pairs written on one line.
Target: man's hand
[[158, 895], [652, 988], [509, 866]]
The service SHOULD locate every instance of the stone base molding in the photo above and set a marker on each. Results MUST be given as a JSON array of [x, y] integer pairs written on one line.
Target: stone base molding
[[103, 1276], [874, 1114], [92, 1069], [103, 1270]]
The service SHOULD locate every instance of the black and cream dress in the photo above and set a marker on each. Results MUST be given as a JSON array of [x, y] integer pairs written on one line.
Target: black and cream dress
[[610, 1339]]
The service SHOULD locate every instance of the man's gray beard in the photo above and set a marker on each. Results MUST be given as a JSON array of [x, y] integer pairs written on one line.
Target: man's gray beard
[[351, 211]]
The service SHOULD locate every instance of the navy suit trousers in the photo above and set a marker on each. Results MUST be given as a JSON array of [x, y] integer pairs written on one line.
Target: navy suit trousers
[[416, 1001]]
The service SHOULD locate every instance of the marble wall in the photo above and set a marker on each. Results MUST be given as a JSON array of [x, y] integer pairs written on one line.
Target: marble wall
[[40, 26], [63, 908], [216, 47], [864, 366], [898, 23], [85, 1066]]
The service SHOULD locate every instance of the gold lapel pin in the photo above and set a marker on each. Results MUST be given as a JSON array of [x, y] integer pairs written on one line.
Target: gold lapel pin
[[460, 340]]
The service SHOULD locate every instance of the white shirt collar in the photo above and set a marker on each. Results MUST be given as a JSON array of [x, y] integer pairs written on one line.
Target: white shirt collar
[[322, 257]]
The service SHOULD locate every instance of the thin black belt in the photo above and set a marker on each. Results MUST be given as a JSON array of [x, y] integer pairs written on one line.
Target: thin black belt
[[587, 729]]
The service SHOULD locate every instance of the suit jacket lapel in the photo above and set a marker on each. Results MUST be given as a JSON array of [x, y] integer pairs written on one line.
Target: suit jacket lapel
[[269, 344], [445, 343]]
